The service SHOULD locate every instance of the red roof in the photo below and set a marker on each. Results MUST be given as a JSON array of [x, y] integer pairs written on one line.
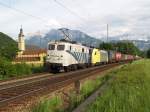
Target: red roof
[[33, 52]]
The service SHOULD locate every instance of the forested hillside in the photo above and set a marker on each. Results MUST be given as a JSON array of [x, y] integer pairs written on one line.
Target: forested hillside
[[8, 47], [8, 50], [124, 47]]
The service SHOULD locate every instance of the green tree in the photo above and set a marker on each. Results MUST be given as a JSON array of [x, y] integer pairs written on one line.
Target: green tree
[[106, 46], [124, 47], [127, 48], [148, 53]]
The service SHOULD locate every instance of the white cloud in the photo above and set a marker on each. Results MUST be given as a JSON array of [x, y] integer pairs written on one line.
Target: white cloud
[[123, 16], [54, 23]]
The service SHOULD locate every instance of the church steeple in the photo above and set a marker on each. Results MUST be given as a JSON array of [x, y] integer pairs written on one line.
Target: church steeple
[[21, 32], [21, 42]]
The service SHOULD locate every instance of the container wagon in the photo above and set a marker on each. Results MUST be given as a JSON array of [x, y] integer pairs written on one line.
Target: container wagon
[[111, 56], [103, 57], [117, 56]]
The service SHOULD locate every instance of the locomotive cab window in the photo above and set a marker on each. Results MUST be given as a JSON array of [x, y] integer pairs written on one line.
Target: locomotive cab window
[[51, 47], [60, 47]]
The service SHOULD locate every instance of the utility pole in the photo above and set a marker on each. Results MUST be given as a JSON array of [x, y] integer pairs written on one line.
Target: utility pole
[[107, 33], [40, 42], [39, 34]]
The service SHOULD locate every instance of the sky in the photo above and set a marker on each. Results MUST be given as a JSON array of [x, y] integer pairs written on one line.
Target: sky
[[90, 16]]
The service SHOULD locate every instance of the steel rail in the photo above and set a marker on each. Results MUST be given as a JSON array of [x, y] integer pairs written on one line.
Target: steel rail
[[31, 80], [49, 84]]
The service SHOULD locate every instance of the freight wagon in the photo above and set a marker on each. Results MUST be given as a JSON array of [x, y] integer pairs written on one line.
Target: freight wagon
[[111, 56], [103, 57], [118, 56]]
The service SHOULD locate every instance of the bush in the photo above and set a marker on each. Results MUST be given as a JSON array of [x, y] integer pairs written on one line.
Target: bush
[[23, 69], [7, 69], [4, 67], [37, 69]]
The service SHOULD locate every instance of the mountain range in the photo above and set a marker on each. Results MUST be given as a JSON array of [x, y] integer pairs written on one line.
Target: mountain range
[[55, 34], [41, 41]]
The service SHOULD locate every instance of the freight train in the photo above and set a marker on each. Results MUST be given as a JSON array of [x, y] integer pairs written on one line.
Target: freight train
[[68, 56]]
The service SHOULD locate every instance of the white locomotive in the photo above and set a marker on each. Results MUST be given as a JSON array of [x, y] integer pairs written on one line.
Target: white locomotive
[[66, 55]]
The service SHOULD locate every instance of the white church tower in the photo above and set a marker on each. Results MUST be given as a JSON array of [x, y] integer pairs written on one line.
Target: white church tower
[[21, 42]]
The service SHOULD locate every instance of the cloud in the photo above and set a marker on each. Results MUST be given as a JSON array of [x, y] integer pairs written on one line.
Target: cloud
[[53, 23], [123, 16]]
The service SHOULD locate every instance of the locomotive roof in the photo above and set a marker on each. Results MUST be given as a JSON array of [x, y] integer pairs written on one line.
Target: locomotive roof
[[65, 41], [71, 42]]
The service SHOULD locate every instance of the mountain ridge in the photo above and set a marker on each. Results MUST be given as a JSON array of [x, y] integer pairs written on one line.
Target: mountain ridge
[[55, 34], [79, 36]]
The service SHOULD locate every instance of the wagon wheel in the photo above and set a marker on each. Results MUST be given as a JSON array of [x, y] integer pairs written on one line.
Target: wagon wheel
[[67, 69], [75, 67]]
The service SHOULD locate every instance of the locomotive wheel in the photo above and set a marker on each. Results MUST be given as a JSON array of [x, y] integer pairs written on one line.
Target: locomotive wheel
[[55, 70], [75, 67], [47, 67], [83, 66], [67, 69]]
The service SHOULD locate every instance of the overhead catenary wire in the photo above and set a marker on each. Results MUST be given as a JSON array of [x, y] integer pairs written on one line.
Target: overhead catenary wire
[[73, 13], [40, 18], [24, 13], [43, 20], [70, 11]]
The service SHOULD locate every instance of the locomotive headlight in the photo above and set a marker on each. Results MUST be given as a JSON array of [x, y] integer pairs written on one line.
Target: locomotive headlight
[[59, 58]]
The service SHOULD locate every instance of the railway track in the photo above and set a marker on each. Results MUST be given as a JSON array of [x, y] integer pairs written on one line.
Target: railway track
[[18, 90]]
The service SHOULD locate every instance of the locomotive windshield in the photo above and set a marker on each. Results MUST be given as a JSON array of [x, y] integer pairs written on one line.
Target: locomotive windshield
[[51, 47], [60, 47]]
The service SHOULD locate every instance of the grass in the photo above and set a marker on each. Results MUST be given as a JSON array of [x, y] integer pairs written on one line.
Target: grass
[[52, 105], [129, 92], [56, 104], [87, 88]]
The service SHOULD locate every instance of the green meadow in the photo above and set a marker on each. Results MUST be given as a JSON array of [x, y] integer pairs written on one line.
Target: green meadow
[[129, 92]]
